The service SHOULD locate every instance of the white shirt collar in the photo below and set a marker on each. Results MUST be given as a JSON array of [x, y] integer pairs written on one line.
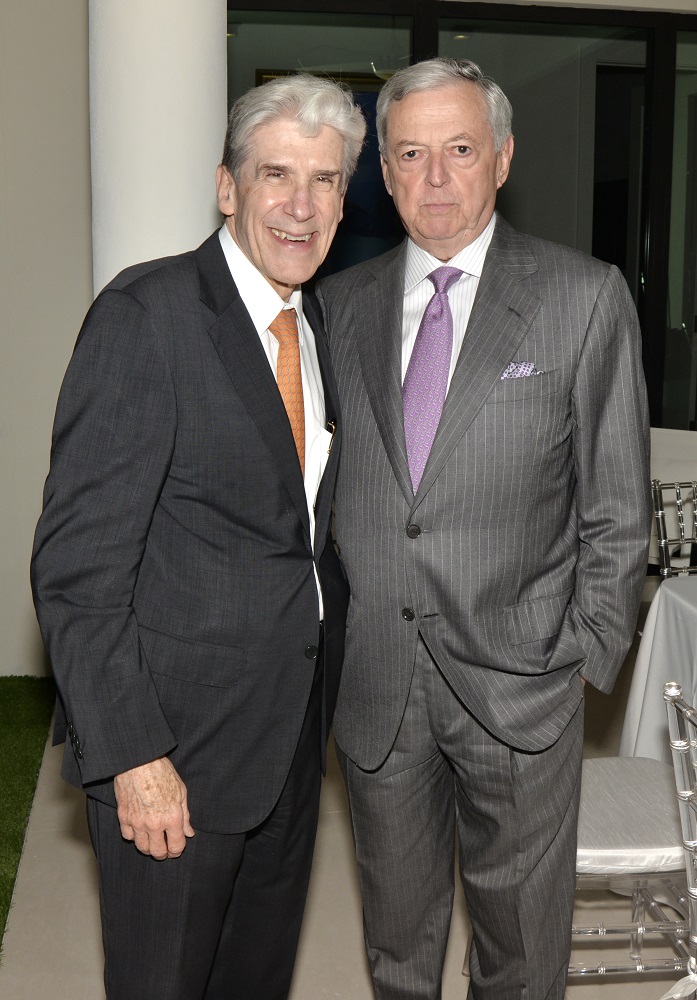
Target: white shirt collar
[[262, 301], [420, 263]]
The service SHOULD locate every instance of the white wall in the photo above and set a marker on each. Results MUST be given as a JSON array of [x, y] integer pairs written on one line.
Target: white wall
[[45, 274]]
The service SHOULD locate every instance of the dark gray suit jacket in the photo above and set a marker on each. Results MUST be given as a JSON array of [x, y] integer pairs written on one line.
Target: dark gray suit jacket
[[521, 557], [173, 568]]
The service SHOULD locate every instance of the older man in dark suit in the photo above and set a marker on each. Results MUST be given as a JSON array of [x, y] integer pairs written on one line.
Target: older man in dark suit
[[494, 414], [184, 575]]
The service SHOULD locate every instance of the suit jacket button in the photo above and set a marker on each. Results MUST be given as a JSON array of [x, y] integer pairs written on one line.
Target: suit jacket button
[[413, 530], [408, 615], [311, 652]]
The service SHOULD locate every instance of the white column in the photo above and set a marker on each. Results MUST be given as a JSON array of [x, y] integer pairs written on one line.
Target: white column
[[158, 106]]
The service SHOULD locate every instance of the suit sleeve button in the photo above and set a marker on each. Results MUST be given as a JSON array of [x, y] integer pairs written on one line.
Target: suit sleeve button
[[311, 652], [408, 615], [413, 530]]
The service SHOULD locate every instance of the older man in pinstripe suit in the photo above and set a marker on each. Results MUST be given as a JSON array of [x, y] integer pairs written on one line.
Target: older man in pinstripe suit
[[494, 411]]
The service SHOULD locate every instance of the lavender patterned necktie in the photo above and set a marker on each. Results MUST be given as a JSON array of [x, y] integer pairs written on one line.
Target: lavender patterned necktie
[[426, 380]]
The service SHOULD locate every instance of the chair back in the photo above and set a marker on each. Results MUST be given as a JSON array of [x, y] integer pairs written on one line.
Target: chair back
[[675, 513], [682, 726]]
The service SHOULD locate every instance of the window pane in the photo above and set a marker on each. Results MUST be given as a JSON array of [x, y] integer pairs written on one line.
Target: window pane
[[680, 375], [578, 97], [360, 50]]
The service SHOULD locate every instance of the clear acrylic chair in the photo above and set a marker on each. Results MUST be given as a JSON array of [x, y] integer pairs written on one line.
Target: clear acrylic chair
[[682, 726], [675, 513], [630, 850]]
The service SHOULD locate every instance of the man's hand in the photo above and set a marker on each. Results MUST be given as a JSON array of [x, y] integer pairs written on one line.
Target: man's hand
[[152, 809]]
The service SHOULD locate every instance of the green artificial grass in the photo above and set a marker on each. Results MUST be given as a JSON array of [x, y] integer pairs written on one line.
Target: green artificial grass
[[26, 704]]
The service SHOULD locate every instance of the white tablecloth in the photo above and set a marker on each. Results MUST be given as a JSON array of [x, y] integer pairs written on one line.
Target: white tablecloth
[[667, 652]]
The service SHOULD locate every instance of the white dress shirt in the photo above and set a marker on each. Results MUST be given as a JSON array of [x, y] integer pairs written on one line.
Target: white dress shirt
[[418, 291], [263, 304]]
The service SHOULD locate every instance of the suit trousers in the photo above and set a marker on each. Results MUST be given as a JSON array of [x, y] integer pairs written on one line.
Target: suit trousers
[[515, 814], [222, 921]]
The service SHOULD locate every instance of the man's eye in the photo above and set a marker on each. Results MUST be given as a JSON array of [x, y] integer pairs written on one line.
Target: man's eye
[[462, 150], [410, 154]]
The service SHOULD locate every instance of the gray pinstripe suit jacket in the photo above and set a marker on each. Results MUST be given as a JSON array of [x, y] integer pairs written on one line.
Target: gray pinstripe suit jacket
[[533, 513], [173, 567]]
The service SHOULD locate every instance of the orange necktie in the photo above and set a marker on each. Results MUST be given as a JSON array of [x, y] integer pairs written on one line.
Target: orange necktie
[[289, 378]]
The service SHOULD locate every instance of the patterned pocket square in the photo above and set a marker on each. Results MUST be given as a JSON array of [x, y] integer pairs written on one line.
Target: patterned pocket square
[[520, 369]]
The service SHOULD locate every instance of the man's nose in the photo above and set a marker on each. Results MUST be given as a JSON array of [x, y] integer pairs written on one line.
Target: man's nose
[[436, 170], [300, 203]]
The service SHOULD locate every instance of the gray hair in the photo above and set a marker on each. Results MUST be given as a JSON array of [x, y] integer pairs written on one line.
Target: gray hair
[[441, 72], [311, 101]]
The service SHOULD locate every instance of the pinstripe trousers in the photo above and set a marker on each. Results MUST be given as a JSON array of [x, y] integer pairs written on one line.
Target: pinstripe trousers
[[515, 814]]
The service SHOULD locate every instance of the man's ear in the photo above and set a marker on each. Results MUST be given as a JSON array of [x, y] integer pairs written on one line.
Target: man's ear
[[385, 173], [505, 157], [226, 190]]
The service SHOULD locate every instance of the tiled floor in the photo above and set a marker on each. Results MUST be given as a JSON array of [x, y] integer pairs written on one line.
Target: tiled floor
[[52, 943]]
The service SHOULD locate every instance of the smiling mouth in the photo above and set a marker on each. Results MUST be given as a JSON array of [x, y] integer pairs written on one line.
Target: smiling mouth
[[289, 236]]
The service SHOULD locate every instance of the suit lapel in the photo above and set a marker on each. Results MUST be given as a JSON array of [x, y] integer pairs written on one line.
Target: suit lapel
[[325, 493], [239, 348], [503, 310], [379, 341]]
